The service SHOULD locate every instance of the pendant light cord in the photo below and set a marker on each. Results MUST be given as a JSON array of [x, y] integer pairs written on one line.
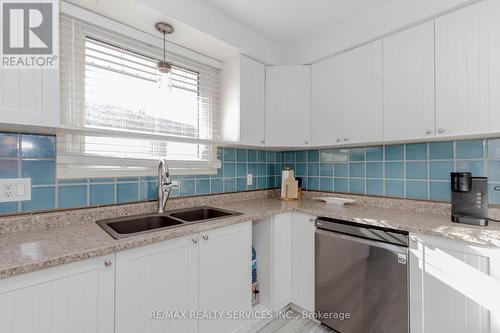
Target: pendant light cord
[[163, 46]]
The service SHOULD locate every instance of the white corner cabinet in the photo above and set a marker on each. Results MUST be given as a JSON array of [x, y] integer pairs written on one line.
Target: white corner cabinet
[[454, 286], [288, 106], [76, 297], [243, 101]]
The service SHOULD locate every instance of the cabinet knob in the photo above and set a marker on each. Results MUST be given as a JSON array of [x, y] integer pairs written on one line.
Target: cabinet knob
[[306, 142], [108, 262], [428, 131], [441, 130], [205, 237], [195, 240], [338, 140]]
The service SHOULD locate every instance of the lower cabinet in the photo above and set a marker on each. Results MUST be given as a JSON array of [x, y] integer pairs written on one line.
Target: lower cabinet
[[71, 298], [202, 273], [454, 286], [281, 261]]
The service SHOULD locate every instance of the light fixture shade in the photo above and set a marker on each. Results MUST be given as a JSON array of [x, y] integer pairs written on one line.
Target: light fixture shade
[[164, 74]]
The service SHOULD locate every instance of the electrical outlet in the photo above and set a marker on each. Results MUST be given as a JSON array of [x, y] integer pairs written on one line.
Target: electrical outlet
[[249, 179], [15, 189]]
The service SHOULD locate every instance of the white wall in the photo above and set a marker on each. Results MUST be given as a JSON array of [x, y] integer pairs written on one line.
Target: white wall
[[387, 18]]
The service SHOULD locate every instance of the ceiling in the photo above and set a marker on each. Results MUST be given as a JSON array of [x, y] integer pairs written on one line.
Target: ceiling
[[288, 22]]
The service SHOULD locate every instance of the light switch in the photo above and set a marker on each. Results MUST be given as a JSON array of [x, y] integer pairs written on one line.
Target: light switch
[[249, 179]]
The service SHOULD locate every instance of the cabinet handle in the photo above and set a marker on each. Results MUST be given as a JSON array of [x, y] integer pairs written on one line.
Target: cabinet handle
[[338, 140], [195, 240], [345, 139], [441, 130], [205, 237], [306, 142], [428, 131], [262, 141], [108, 262]]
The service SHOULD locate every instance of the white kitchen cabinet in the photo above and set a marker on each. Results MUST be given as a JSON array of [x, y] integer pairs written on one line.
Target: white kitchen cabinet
[[158, 277], [288, 106], [77, 297], [281, 261], [243, 102], [409, 84], [467, 70], [303, 230], [454, 286], [225, 276]]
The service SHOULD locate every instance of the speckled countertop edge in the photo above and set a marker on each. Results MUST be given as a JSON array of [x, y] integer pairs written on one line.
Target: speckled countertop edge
[[31, 250]]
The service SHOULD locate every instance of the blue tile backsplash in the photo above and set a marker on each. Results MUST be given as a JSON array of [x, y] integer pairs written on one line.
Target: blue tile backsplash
[[417, 171]]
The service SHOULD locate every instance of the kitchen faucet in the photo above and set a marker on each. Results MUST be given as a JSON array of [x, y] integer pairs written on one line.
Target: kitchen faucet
[[165, 185]]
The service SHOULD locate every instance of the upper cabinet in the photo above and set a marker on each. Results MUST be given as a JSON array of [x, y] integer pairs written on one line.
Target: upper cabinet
[[288, 105], [467, 73], [348, 98], [244, 101], [409, 84]]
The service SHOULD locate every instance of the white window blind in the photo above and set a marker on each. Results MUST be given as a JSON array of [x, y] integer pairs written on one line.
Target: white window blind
[[118, 119]]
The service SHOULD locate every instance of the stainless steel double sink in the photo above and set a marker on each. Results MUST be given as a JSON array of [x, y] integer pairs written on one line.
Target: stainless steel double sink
[[126, 226]]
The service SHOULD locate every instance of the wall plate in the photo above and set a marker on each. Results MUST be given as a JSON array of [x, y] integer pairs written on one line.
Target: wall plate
[[15, 189]]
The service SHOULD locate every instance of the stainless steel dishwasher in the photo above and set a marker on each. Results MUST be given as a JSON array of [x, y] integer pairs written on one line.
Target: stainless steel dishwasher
[[361, 271]]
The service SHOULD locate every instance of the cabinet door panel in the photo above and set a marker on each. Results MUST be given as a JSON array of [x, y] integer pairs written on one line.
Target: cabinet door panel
[[409, 84], [281, 261], [159, 277], [77, 298], [252, 101], [225, 276]]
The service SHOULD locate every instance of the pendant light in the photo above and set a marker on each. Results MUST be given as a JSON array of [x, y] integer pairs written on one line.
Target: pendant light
[[164, 67]]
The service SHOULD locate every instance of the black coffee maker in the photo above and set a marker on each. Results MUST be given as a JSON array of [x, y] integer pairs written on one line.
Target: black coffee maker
[[469, 199]]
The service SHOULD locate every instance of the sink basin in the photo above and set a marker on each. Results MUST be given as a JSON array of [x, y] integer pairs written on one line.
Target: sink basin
[[132, 225], [198, 214]]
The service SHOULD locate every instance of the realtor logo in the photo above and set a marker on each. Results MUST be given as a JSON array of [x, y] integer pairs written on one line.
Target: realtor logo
[[29, 33]]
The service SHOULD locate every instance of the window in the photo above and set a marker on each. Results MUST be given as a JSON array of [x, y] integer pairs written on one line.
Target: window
[[116, 113]]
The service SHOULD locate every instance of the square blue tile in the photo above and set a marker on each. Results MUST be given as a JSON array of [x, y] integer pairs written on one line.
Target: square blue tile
[[326, 184], [252, 156], [394, 153], [375, 153], [202, 186], [357, 154], [229, 169], [8, 207], [494, 149], [8, 145], [241, 184], [326, 169], [127, 192], [416, 170], [441, 150], [313, 156], [9, 169], [261, 169], [357, 186], [241, 155], [357, 169], [290, 156], [229, 154], [271, 182], [374, 170], [72, 196], [416, 151], [440, 191], [38, 146], [279, 156], [301, 169], [394, 188], [187, 187], [301, 156], [374, 187], [40, 172], [230, 184], [102, 194], [341, 185], [326, 155], [341, 169], [469, 149], [42, 198], [340, 155], [494, 196], [271, 156], [262, 182], [440, 170], [261, 156], [416, 189], [476, 168], [394, 170], [313, 169], [494, 171], [252, 169], [313, 183], [217, 186], [271, 169], [241, 169]]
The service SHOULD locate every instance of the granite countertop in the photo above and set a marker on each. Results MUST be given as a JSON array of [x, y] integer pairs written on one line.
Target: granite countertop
[[31, 250]]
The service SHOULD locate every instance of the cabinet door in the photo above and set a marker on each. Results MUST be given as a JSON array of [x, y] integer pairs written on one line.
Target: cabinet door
[[252, 101], [76, 297], [327, 96], [158, 277], [409, 84], [453, 286], [281, 261], [225, 281], [288, 105], [361, 104], [303, 261], [462, 71]]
